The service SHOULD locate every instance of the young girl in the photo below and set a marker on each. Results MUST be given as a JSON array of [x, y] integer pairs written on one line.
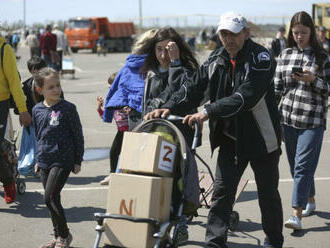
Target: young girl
[[60, 148], [303, 106], [121, 119]]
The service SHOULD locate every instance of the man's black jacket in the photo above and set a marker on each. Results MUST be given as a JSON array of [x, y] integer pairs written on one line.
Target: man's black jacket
[[251, 104]]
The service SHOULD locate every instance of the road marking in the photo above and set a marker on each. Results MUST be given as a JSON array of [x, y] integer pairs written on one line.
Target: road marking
[[106, 187], [78, 69], [291, 180], [70, 189]]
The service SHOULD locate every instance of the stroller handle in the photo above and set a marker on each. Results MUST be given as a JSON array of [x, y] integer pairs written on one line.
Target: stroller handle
[[195, 143]]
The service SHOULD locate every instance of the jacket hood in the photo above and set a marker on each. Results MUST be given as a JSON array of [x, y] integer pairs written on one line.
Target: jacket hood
[[135, 61]]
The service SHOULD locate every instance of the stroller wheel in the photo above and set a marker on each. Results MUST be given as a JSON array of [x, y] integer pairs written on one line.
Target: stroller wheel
[[233, 221], [163, 244], [20, 186], [190, 218]]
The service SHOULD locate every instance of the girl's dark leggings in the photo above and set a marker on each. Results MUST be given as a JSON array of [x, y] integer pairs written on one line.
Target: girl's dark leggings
[[53, 180], [115, 150]]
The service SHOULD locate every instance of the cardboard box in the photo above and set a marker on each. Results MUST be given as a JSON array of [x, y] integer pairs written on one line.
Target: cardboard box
[[136, 196], [147, 153]]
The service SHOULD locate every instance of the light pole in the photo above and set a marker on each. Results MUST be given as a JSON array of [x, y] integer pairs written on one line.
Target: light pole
[[140, 16], [24, 15]]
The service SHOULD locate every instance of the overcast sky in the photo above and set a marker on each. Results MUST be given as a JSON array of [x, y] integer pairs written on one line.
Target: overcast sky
[[122, 10]]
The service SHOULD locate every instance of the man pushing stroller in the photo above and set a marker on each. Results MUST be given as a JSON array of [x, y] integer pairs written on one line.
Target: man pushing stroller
[[242, 112]]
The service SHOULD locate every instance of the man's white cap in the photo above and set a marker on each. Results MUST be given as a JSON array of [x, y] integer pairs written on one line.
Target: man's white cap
[[233, 22], [55, 26]]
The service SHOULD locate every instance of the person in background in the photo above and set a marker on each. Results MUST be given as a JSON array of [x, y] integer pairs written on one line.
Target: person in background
[[303, 105], [9, 38], [60, 149], [191, 41], [214, 42], [124, 99], [60, 45], [322, 37], [34, 64], [203, 36], [10, 85], [14, 41], [279, 43], [100, 46], [33, 43], [48, 44], [237, 79]]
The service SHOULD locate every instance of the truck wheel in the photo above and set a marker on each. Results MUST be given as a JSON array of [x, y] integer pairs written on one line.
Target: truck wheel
[[128, 45], [74, 49], [94, 49], [120, 45]]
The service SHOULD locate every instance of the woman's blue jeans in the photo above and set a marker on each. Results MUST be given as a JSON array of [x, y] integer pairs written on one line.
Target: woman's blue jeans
[[303, 147]]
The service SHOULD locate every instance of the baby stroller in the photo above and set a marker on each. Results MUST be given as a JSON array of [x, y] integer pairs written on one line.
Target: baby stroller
[[184, 201], [8, 152]]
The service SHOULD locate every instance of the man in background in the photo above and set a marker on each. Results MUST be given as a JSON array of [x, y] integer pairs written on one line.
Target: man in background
[[48, 44], [279, 43]]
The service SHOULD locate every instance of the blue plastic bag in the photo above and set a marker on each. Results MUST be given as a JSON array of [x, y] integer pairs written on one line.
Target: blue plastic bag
[[26, 158]]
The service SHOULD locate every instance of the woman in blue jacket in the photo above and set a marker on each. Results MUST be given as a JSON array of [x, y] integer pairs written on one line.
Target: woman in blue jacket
[[126, 93]]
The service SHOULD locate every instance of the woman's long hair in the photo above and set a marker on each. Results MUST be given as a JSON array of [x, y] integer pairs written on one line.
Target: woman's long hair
[[142, 42], [305, 19], [186, 55]]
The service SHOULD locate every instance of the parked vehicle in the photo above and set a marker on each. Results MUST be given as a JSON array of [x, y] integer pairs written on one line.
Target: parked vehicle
[[84, 32], [321, 15]]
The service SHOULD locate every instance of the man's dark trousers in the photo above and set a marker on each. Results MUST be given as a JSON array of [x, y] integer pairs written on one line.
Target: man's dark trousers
[[228, 174]]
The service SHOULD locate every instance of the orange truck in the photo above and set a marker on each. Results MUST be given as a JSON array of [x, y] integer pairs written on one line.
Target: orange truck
[[84, 32]]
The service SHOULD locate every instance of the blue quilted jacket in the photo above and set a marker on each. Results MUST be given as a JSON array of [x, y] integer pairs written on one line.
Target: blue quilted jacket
[[127, 88]]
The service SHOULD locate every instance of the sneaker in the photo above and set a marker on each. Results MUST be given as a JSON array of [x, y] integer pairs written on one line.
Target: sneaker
[[182, 236], [293, 223], [310, 208], [63, 243], [105, 181], [10, 192], [50, 244], [267, 243]]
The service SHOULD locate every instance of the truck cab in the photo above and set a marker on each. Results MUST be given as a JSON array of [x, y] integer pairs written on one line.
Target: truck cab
[[83, 33], [321, 15]]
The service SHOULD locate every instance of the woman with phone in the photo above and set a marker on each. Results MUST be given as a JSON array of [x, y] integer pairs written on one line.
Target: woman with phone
[[302, 83]]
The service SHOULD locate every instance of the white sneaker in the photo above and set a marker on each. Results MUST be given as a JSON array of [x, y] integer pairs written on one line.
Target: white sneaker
[[105, 181], [293, 223], [310, 208]]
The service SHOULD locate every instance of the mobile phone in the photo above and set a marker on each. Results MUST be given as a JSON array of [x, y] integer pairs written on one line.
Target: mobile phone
[[296, 70]]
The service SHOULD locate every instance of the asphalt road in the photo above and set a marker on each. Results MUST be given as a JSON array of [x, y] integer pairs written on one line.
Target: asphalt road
[[26, 222]]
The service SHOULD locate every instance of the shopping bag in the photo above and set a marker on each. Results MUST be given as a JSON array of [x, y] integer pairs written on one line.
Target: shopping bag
[[26, 158]]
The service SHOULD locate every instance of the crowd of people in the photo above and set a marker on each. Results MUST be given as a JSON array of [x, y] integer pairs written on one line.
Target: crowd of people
[[50, 44], [250, 95]]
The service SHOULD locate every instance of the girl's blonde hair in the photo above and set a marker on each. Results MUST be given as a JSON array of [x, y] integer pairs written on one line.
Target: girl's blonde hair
[[44, 73], [142, 42]]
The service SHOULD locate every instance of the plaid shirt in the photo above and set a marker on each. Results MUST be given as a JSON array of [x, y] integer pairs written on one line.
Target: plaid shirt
[[302, 105]]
